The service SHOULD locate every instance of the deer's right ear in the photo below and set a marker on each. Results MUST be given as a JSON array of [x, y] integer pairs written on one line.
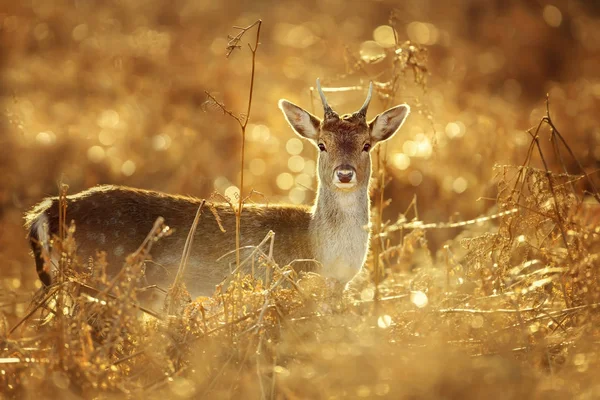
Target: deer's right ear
[[304, 123]]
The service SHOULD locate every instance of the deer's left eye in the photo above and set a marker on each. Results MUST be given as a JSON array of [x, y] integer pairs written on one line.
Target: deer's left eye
[[367, 147]]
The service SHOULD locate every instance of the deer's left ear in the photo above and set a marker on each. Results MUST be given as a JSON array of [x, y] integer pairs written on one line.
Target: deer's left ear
[[385, 125]]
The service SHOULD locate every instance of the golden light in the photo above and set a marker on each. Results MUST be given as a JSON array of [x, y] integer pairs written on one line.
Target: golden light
[[107, 137], [410, 148], [296, 163], [96, 154], [460, 184], [452, 130], [309, 167], [108, 119], [384, 36], [46, 138], [422, 33], [161, 142], [128, 168], [477, 322], [415, 178], [285, 181], [401, 161], [232, 193], [367, 294], [80, 32], [297, 195], [419, 299], [259, 133], [552, 16], [304, 180], [384, 322], [371, 51], [221, 183], [294, 146], [257, 166]]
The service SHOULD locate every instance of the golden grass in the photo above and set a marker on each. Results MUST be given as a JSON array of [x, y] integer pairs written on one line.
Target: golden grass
[[498, 306]]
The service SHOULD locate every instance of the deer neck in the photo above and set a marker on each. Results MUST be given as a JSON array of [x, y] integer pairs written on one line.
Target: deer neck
[[339, 231]]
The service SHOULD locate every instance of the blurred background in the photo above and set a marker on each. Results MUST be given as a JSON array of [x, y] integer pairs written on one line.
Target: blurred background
[[114, 92]]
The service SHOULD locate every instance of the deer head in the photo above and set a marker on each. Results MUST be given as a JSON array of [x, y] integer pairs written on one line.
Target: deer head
[[345, 142]]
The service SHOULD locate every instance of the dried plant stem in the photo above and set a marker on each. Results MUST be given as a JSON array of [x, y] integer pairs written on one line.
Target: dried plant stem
[[41, 303], [238, 215], [242, 121], [176, 289], [61, 294], [377, 245]]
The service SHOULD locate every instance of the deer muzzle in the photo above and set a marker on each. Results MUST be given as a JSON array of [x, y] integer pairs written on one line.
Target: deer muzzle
[[345, 177]]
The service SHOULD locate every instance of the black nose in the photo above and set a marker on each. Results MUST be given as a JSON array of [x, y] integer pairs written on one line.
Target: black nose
[[345, 173]]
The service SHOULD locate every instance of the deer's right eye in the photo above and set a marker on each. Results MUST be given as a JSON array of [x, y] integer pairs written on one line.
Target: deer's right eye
[[322, 147]]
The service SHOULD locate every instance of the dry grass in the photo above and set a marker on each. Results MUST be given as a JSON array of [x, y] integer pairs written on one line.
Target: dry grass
[[485, 247]]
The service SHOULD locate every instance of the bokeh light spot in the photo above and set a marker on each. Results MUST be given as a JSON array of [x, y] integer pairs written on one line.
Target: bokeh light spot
[[232, 193], [304, 181], [419, 299], [371, 51], [384, 36], [128, 168], [367, 294], [161, 142], [401, 161], [460, 184], [415, 178], [410, 148], [108, 119], [107, 137], [310, 167], [296, 36], [296, 163], [285, 181], [294, 146], [384, 322], [477, 321], [221, 183], [46, 138], [422, 33], [80, 32], [452, 130], [297, 195], [552, 16], [96, 154], [455, 129], [424, 148], [259, 133]]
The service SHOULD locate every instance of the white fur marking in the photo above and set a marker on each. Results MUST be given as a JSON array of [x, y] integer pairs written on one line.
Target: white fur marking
[[40, 225]]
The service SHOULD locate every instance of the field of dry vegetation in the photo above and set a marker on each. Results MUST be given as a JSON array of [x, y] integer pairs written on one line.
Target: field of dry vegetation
[[486, 215]]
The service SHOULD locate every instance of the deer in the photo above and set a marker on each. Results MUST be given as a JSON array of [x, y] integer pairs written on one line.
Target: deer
[[334, 232]]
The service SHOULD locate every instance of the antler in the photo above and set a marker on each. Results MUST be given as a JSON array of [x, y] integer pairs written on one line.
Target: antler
[[329, 113], [362, 113]]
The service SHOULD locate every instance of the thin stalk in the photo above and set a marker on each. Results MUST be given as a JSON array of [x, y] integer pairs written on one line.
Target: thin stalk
[[238, 214]]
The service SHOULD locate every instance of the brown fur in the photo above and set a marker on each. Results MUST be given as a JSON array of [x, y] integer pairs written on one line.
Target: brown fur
[[116, 219]]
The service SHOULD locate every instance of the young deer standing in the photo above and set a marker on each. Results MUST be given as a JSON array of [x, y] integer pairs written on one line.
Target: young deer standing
[[334, 232]]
